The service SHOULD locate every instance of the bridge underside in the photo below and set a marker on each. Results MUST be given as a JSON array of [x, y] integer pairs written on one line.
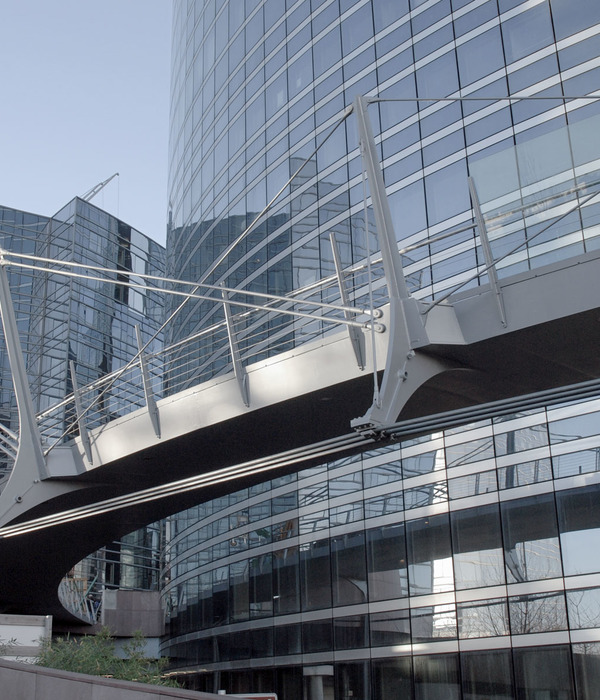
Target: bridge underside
[[541, 357], [493, 363]]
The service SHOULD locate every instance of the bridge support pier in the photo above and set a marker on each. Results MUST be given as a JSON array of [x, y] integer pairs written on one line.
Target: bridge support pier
[[406, 369]]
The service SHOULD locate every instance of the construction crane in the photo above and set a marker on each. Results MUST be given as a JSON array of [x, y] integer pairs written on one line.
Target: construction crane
[[90, 194]]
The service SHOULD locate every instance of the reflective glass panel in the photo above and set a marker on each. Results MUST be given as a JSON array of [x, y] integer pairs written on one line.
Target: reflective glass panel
[[531, 548], [543, 672], [579, 523], [351, 632], [574, 428], [487, 675], [386, 557], [586, 663], [436, 677], [521, 439], [487, 618], [315, 575], [525, 473], [392, 678], [530, 614], [349, 570], [477, 547], [390, 628], [433, 622], [584, 608], [429, 555]]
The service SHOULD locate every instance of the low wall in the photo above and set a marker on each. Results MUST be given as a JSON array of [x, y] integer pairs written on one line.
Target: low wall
[[29, 682]]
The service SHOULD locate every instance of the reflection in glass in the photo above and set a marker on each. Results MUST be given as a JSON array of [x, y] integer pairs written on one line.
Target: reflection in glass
[[583, 605], [426, 495], [586, 663], [575, 463], [315, 575], [477, 546], [423, 463], [472, 484], [531, 548], [487, 618], [386, 563], [382, 474], [525, 473], [351, 632], [467, 452], [544, 612], [430, 555], [522, 439], [574, 428], [390, 628], [579, 523], [382, 505], [349, 575], [433, 622]]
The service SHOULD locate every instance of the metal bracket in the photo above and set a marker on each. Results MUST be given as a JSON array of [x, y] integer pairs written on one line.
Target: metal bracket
[[148, 393], [83, 431], [404, 371], [238, 367], [356, 337], [487, 251]]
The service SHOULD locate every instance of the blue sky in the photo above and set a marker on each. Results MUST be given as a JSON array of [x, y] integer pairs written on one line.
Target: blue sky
[[85, 94]]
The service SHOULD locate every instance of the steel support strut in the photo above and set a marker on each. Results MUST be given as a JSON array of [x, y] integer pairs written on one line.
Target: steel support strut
[[30, 455], [148, 393], [404, 370], [487, 252], [236, 359], [81, 422], [356, 336], [30, 482]]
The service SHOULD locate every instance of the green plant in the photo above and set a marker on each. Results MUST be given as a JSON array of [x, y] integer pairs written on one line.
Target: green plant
[[95, 655], [6, 646]]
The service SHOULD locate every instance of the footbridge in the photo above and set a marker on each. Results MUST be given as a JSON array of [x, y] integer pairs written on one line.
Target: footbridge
[[281, 382]]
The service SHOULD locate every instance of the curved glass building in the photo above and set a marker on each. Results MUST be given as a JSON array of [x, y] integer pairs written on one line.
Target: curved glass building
[[460, 564]]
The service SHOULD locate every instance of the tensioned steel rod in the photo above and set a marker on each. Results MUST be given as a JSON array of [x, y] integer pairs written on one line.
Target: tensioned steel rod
[[245, 304], [168, 280], [485, 269]]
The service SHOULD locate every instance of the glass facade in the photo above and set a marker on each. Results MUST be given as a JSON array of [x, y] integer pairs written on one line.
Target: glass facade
[[91, 323], [491, 591], [461, 564]]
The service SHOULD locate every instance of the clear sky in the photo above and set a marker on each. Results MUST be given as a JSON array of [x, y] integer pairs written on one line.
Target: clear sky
[[85, 94]]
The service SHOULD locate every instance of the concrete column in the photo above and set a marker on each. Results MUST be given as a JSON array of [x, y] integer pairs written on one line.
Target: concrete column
[[315, 676]]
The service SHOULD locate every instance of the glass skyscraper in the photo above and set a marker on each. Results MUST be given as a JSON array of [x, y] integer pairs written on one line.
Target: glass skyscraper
[[92, 323], [459, 564]]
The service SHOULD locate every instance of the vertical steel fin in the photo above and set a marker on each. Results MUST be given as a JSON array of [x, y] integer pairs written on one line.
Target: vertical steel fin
[[83, 432], [30, 441], [238, 368], [148, 393], [356, 337], [487, 251]]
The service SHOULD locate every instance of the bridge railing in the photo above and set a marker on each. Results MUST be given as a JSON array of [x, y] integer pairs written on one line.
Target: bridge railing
[[533, 203], [256, 327]]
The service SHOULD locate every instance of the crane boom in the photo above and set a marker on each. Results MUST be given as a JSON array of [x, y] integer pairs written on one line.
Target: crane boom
[[90, 194]]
